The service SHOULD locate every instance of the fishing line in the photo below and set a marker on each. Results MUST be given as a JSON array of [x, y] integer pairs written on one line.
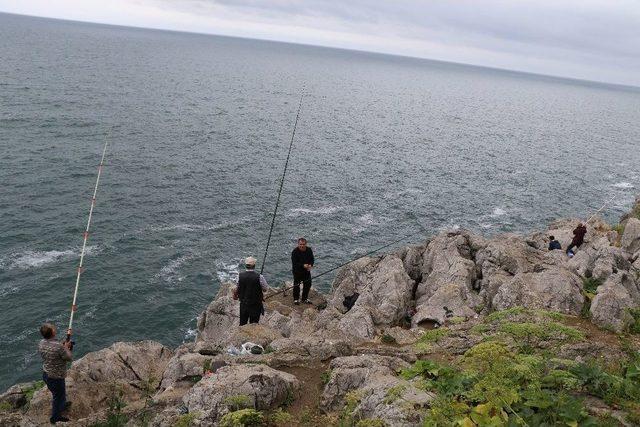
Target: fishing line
[[284, 173], [85, 235]]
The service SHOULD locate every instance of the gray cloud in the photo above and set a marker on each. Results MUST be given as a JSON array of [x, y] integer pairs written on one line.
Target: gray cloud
[[590, 39]]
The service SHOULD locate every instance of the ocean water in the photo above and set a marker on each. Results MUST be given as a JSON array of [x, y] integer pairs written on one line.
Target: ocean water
[[199, 128]]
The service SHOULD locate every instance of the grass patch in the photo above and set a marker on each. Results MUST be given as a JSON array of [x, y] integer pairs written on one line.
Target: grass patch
[[531, 332], [325, 377], [634, 328], [281, 418], [242, 418], [5, 406], [30, 391], [394, 393], [238, 402], [504, 314]]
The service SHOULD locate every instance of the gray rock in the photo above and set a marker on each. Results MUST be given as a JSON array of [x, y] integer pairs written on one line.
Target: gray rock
[[265, 387], [16, 395], [631, 237], [129, 368], [380, 394], [555, 289], [609, 308]]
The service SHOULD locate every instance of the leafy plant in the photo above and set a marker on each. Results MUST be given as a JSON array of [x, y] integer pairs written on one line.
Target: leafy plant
[[325, 377], [238, 402], [5, 406], [116, 403], [248, 417], [634, 328], [371, 422], [590, 285], [281, 418], [187, 420], [31, 390], [394, 393]]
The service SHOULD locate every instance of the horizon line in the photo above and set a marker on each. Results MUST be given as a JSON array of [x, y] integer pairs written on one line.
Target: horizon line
[[420, 58]]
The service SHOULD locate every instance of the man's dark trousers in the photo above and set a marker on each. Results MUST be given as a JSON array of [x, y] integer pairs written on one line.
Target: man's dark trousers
[[57, 388], [305, 279], [249, 314]]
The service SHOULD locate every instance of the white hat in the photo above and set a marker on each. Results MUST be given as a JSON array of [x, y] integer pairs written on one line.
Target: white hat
[[250, 261]]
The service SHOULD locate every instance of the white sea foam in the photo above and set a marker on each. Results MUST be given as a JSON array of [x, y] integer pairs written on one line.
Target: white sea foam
[[189, 334], [35, 259], [498, 212], [624, 185], [228, 271], [168, 273], [325, 210]]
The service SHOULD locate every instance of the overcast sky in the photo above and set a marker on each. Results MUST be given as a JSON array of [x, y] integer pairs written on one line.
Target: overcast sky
[[587, 39]]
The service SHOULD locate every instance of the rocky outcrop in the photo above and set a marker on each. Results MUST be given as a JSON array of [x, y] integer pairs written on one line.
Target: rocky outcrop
[[375, 390], [435, 299], [129, 369], [610, 307], [264, 387], [630, 241]]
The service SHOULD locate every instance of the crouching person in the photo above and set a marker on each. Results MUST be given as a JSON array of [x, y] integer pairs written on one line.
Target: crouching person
[[55, 356], [250, 292]]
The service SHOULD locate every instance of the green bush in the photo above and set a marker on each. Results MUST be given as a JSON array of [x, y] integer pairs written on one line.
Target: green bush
[[372, 422], [504, 314], [281, 418], [5, 406], [30, 391], [635, 326], [590, 285], [187, 420], [243, 418], [238, 401], [325, 377]]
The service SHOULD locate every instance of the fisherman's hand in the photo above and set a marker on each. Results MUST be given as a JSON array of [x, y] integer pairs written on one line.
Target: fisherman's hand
[[67, 345]]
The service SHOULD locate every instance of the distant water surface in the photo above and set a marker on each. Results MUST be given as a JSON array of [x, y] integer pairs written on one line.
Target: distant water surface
[[199, 129]]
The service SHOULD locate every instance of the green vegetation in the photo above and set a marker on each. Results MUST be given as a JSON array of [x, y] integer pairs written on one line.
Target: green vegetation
[[280, 418], [325, 377], [387, 339], [635, 326], [504, 314], [619, 228], [373, 422], [590, 286], [496, 386], [242, 418], [116, 403], [541, 331], [187, 420], [394, 393], [5, 407], [238, 402], [430, 337], [30, 391], [348, 418]]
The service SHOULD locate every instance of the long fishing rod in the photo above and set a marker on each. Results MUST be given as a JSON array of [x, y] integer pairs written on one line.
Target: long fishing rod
[[284, 173], [598, 211], [347, 263], [85, 235]]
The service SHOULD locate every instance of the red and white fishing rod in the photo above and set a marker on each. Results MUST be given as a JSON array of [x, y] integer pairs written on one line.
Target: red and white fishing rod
[[84, 244]]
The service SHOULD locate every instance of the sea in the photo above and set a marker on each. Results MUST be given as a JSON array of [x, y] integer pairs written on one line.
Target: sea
[[198, 129]]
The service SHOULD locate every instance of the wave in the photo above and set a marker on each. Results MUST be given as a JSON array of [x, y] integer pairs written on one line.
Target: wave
[[498, 212], [34, 259], [228, 271], [168, 273], [625, 185], [194, 227], [326, 210]]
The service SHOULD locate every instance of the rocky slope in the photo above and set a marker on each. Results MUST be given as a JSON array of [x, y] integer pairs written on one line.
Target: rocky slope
[[458, 329]]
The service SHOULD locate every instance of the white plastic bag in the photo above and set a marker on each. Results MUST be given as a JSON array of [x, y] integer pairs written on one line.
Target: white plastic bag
[[251, 348]]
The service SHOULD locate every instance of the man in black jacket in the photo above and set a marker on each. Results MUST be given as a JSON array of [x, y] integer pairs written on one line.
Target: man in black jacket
[[251, 286], [301, 265]]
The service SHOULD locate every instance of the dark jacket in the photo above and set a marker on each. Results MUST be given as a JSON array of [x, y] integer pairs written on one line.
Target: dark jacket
[[554, 244], [249, 289], [578, 235], [299, 259]]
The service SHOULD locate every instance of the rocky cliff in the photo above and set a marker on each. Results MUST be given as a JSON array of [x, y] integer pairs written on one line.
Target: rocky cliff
[[457, 330]]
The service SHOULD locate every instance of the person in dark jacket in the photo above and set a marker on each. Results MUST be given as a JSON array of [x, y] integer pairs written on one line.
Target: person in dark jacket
[[301, 265], [578, 237], [554, 244], [56, 356], [250, 292]]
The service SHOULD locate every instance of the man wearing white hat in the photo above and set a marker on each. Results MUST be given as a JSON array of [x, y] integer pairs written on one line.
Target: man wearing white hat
[[251, 286]]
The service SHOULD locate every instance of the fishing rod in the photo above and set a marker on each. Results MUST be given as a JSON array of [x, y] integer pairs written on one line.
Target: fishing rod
[[85, 235], [598, 211], [284, 173], [347, 263]]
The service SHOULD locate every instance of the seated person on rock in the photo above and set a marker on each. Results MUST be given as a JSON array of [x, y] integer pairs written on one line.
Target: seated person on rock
[[55, 357], [554, 244], [250, 292]]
